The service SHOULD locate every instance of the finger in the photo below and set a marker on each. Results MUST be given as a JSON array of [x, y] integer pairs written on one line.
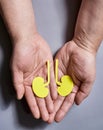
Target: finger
[[67, 104], [49, 104], [83, 92], [42, 107], [58, 101], [32, 102], [48, 100], [53, 86], [51, 117], [57, 105], [18, 83], [41, 102]]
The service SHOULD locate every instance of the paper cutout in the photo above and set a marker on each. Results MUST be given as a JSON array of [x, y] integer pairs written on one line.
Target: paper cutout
[[65, 87], [39, 87]]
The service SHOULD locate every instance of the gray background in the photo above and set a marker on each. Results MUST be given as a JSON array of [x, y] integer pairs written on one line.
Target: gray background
[[55, 21]]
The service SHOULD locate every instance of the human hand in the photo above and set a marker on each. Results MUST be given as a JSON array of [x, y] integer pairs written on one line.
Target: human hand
[[29, 61], [79, 64]]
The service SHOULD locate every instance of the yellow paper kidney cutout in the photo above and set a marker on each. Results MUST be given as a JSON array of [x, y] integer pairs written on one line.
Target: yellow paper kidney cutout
[[65, 87], [39, 87]]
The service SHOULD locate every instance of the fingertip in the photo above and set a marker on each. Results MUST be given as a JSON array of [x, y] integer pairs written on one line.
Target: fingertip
[[59, 116], [54, 93], [19, 96], [77, 102], [51, 118], [37, 115], [20, 92], [79, 98], [54, 96], [45, 117], [50, 108], [57, 120], [50, 121]]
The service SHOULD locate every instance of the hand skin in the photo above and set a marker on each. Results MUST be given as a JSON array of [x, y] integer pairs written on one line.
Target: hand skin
[[77, 57], [29, 61], [87, 37], [30, 53], [81, 68]]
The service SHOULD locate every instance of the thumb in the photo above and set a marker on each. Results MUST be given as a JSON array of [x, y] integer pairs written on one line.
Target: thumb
[[83, 92], [18, 83]]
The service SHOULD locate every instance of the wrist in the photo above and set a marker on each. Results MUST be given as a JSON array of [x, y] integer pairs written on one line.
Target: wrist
[[23, 36], [86, 42], [30, 39]]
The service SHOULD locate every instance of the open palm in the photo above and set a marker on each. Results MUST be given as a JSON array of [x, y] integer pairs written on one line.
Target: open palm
[[79, 64], [29, 61]]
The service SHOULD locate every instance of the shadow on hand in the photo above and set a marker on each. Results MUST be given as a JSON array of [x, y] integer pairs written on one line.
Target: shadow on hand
[[22, 115]]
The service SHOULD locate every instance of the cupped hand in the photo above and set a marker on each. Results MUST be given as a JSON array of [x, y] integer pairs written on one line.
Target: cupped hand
[[29, 61], [79, 64]]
